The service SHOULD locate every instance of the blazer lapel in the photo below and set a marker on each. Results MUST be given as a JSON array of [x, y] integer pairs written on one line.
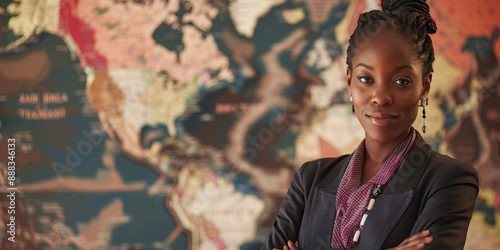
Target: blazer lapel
[[386, 213]]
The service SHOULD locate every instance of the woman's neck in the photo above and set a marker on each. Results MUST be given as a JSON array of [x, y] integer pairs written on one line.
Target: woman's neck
[[377, 152]]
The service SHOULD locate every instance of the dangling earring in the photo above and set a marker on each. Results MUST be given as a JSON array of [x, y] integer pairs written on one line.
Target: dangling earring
[[350, 99], [422, 104]]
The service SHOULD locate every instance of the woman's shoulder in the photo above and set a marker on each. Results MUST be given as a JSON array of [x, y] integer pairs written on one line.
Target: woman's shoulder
[[316, 171], [323, 164], [449, 170], [440, 162]]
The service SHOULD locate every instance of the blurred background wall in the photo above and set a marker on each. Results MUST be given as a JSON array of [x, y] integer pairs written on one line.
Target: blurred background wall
[[144, 124]]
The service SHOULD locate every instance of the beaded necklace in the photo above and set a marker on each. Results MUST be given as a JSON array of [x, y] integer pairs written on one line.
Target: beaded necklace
[[375, 193]]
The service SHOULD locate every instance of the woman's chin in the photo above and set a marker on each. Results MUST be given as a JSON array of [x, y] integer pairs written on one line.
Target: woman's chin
[[383, 134]]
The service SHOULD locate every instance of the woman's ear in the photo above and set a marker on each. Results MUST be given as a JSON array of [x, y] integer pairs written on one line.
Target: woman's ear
[[427, 86]]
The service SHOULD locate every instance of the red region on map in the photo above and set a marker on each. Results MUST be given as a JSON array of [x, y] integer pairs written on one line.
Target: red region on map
[[81, 33]]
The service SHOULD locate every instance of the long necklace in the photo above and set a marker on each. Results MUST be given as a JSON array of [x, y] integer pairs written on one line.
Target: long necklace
[[375, 194]]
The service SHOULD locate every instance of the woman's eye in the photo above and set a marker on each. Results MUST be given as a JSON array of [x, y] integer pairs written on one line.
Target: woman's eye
[[403, 81], [364, 79]]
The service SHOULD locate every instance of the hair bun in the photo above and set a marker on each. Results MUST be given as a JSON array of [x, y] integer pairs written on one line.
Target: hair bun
[[407, 7]]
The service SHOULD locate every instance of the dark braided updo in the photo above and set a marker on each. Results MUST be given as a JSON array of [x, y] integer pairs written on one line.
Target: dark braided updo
[[410, 17]]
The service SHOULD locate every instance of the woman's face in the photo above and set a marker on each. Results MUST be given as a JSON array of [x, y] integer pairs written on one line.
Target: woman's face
[[386, 84]]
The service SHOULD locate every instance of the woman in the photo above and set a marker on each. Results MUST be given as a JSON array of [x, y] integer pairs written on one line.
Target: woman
[[394, 191]]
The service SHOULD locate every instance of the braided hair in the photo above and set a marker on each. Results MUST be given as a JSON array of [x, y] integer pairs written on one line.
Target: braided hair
[[410, 17]]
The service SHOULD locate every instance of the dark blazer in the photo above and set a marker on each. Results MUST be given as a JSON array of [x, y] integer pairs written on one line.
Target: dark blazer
[[428, 191]]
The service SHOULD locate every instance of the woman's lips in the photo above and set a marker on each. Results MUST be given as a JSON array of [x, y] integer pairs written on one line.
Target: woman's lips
[[381, 119]]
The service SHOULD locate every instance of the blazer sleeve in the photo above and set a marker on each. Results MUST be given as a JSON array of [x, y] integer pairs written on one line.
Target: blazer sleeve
[[287, 224], [448, 209]]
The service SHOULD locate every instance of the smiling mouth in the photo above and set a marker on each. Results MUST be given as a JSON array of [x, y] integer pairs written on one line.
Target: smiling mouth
[[381, 119]]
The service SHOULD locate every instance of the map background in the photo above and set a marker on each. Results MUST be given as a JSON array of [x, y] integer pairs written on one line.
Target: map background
[[180, 124]]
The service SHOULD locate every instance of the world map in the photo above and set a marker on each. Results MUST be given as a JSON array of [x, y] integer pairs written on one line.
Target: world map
[[147, 124]]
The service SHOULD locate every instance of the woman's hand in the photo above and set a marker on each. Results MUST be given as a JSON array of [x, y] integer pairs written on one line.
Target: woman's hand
[[416, 241], [290, 246]]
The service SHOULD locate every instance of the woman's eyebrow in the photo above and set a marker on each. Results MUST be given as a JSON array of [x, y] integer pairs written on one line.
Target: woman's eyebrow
[[395, 70], [364, 65]]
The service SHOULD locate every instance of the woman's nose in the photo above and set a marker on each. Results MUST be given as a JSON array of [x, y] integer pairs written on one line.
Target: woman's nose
[[382, 94]]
